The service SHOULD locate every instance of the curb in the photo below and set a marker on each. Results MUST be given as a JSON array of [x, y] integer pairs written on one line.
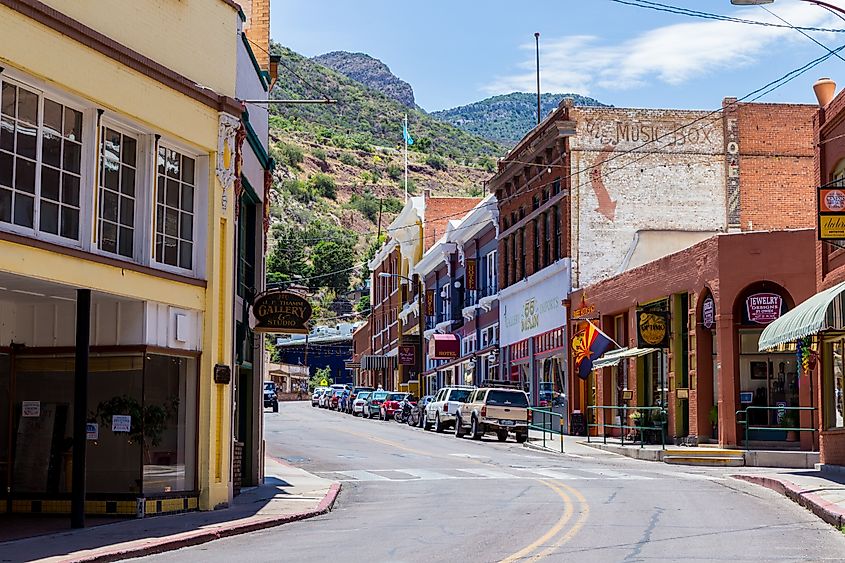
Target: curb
[[539, 448], [830, 512], [141, 548]]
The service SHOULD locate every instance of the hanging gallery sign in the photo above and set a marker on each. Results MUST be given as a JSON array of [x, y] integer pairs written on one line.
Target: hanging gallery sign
[[280, 311]]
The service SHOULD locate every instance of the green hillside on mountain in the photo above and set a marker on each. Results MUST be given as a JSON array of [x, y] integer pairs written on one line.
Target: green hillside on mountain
[[362, 116], [507, 118]]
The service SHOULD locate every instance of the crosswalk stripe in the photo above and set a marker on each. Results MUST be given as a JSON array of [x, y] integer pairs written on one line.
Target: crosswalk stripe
[[361, 475], [427, 475], [554, 474], [611, 474], [489, 473]]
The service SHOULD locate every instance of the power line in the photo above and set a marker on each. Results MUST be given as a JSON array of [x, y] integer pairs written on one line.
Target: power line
[[668, 8]]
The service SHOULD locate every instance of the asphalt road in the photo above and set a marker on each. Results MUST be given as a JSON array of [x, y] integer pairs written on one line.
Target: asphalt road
[[411, 495]]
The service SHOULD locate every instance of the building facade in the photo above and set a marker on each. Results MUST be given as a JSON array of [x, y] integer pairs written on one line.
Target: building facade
[[712, 301], [117, 249]]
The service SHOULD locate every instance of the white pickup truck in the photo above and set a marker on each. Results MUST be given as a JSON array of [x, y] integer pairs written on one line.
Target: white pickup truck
[[440, 412], [502, 411]]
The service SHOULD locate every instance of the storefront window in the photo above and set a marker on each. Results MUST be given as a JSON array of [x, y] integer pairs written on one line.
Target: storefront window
[[837, 417], [170, 393], [770, 377], [5, 378]]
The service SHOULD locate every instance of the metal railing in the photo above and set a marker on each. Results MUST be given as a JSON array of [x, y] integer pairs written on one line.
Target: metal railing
[[783, 410], [543, 419], [657, 426]]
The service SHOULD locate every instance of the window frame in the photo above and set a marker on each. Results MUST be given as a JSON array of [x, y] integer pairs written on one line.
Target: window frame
[[86, 168], [197, 211]]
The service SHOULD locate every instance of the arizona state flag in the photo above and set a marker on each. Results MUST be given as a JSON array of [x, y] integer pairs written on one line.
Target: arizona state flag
[[588, 346]]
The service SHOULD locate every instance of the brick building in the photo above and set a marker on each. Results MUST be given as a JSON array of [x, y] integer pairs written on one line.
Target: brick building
[[818, 324], [715, 298], [422, 220], [593, 192]]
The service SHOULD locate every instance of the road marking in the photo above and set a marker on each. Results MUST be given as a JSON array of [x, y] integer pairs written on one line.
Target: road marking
[[611, 474], [489, 473], [426, 475], [471, 456], [361, 475], [579, 523], [552, 532], [554, 474]]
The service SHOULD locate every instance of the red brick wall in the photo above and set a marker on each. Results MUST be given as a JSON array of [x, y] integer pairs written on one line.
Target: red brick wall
[[439, 211], [777, 187]]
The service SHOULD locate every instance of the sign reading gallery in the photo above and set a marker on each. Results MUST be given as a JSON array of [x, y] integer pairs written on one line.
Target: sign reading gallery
[[281, 311]]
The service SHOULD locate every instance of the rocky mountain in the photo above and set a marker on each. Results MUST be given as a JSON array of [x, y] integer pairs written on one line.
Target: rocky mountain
[[371, 72], [507, 118]]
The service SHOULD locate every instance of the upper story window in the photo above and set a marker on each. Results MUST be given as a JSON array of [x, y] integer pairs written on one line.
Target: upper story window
[[555, 187], [40, 162], [537, 240], [556, 242], [491, 264], [116, 198], [174, 209]]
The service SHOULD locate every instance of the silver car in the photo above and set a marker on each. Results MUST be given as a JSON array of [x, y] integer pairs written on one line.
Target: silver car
[[360, 402]]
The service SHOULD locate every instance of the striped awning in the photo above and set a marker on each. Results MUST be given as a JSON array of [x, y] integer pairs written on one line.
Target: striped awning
[[822, 311], [615, 356], [375, 362]]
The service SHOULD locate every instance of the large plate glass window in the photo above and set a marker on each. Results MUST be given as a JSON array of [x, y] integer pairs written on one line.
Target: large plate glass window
[[174, 239], [39, 139], [118, 173]]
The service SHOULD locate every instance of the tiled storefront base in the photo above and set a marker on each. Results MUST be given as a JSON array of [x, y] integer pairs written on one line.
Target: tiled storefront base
[[140, 507]]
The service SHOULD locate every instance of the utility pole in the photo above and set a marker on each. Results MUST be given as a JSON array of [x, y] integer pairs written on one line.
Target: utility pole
[[537, 43]]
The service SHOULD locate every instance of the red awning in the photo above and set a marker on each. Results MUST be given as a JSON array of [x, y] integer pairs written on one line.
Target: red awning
[[444, 346]]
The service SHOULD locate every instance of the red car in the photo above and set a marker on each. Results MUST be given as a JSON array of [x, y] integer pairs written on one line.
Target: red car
[[333, 400], [391, 404]]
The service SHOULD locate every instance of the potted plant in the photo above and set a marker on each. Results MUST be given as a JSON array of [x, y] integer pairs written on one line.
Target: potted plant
[[787, 421]]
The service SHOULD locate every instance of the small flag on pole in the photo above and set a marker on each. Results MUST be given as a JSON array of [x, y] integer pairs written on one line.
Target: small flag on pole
[[591, 345], [406, 135]]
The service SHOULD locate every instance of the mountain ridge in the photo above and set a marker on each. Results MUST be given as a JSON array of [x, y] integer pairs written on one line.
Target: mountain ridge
[[370, 72]]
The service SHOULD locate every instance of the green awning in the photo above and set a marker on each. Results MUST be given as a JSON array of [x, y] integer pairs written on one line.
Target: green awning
[[615, 356], [822, 311]]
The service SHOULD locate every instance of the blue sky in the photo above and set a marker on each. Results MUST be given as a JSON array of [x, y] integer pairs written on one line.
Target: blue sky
[[459, 51]]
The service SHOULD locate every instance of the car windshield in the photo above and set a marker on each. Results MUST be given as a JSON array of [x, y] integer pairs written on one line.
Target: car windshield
[[363, 394], [396, 396], [378, 395], [459, 395], [269, 386], [509, 398]]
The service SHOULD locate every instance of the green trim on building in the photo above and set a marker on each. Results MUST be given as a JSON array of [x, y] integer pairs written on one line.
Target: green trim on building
[[249, 191], [254, 142], [264, 83]]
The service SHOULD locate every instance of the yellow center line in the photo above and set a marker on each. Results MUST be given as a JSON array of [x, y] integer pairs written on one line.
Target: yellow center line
[[579, 523], [552, 532]]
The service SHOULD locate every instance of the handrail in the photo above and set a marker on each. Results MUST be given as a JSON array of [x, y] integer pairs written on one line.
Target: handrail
[[547, 426], [659, 426], [748, 427]]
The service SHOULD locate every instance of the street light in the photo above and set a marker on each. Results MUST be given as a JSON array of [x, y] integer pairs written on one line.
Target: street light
[[415, 282]]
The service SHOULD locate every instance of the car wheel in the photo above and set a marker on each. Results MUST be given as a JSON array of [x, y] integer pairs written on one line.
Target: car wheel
[[276, 406], [474, 431], [421, 423], [521, 438], [438, 426], [502, 435], [426, 423], [459, 428]]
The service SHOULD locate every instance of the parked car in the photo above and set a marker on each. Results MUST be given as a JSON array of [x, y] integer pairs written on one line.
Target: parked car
[[359, 402], [371, 409], [391, 404], [418, 412], [354, 395], [440, 412], [343, 404], [270, 397], [325, 398], [334, 399], [498, 410], [315, 396]]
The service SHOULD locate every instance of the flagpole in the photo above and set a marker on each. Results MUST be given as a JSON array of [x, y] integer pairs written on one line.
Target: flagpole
[[405, 136]]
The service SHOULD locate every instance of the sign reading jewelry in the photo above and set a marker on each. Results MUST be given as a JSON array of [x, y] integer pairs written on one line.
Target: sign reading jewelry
[[281, 311]]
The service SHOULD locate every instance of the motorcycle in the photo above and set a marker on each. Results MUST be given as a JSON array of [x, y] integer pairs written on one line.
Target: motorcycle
[[403, 414]]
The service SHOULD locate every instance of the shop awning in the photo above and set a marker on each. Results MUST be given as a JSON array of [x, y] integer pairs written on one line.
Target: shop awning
[[615, 356], [374, 361], [822, 311]]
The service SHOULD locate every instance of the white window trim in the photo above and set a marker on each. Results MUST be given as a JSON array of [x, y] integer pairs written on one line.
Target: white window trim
[[42, 89]]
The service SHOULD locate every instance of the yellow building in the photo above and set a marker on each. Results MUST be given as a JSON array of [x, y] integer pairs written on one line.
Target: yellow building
[[117, 177]]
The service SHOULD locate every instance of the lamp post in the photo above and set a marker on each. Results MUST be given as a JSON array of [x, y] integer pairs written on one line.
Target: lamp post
[[761, 2], [415, 281]]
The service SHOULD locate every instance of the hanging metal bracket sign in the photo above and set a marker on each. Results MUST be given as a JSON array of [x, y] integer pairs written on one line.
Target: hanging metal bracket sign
[[280, 312]]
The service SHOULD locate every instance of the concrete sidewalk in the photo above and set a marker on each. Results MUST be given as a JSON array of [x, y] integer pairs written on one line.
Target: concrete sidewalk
[[820, 491], [288, 494]]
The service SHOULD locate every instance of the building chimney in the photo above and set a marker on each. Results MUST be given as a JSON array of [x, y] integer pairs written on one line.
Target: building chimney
[[257, 29]]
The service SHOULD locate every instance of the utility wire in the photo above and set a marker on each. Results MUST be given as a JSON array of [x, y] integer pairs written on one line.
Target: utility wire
[[805, 34], [668, 8]]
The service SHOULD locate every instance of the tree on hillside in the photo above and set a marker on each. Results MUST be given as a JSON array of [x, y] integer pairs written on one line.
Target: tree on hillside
[[287, 259], [331, 262]]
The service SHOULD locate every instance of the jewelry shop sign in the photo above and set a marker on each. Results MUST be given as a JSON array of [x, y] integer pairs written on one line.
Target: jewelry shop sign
[[281, 311], [831, 202]]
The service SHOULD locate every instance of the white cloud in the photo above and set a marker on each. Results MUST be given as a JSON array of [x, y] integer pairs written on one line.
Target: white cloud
[[672, 54]]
